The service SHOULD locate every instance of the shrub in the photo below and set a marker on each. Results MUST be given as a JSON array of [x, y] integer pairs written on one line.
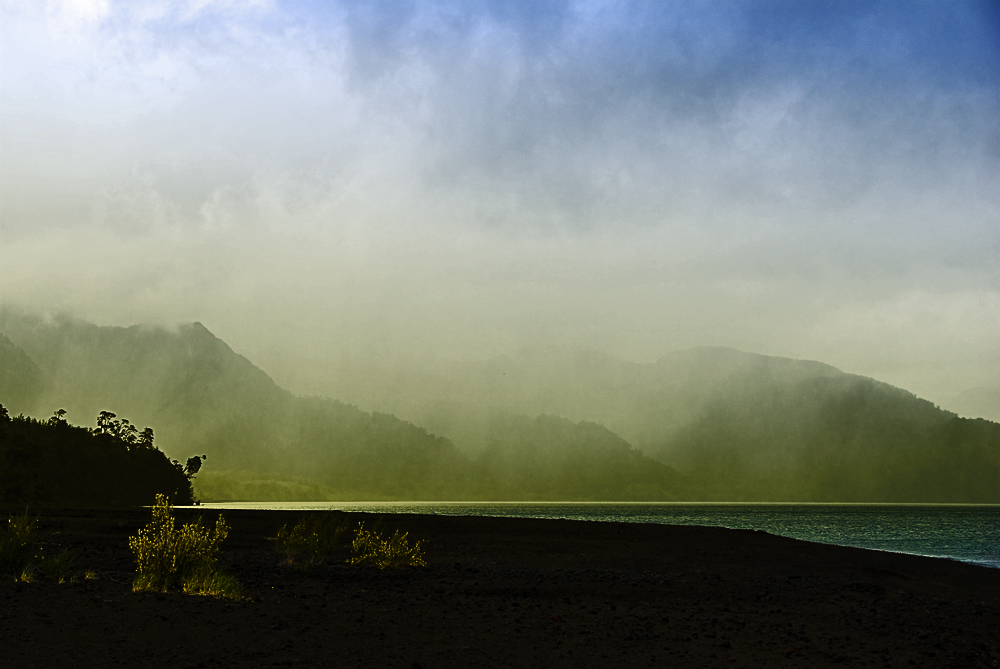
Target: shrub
[[17, 546], [372, 549], [311, 540], [166, 556]]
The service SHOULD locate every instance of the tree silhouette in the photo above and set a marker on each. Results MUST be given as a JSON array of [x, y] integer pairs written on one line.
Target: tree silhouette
[[145, 439], [54, 463], [105, 423], [193, 465]]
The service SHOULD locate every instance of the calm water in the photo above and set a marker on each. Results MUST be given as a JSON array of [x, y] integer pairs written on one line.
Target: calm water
[[970, 533]]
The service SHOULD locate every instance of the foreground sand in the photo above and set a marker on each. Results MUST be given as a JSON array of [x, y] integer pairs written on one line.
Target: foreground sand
[[504, 592]]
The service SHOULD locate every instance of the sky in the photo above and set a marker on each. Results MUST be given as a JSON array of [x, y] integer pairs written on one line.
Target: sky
[[322, 180]]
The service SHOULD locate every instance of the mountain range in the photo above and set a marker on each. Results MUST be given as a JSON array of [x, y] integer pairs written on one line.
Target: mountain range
[[701, 424], [738, 426]]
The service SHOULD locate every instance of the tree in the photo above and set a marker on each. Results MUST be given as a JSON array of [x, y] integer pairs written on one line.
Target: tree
[[106, 423], [145, 439], [193, 465], [127, 432]]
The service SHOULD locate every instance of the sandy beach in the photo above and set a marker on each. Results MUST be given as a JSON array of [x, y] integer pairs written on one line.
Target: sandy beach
[[503, 592]]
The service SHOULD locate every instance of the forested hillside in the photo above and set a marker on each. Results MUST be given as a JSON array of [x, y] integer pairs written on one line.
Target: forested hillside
[[738, 426], [554, 458], [202, 397], [845, 438]]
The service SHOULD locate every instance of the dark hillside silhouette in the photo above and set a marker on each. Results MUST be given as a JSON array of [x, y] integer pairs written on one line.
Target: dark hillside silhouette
[[53, 463]]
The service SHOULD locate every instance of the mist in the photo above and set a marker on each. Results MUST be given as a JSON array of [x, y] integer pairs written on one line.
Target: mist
[[321, 182]]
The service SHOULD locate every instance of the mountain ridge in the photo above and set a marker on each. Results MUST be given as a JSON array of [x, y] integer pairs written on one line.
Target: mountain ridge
[[803, 430], [712, 423]]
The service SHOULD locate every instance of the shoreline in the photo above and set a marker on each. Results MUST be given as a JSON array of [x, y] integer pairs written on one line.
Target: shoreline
[[512, 592], [952, 545]]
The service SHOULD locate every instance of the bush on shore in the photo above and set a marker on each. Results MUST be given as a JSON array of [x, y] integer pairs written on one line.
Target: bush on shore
[[311, 540], [372, 548], [169, 557]]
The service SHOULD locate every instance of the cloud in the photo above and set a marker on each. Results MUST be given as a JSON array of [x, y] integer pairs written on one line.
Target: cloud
[[528, 169], [592, 114]]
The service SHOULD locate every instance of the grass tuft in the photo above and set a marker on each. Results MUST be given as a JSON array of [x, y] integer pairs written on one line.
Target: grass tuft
[[311, 540], [17, 546], [56, 567], [23, 557], [213, 584], [372, 549], [77, 577]]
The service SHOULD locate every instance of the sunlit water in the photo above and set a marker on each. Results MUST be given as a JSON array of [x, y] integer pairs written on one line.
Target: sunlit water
[[970, 533]]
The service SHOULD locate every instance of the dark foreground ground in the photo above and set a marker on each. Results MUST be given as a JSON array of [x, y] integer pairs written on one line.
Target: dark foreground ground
[[511, 593]]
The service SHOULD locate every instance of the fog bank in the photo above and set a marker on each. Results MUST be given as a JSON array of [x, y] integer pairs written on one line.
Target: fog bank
[[321, 181]]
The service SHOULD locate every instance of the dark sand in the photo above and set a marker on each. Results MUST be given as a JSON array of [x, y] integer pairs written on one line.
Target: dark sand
[[501, 592]]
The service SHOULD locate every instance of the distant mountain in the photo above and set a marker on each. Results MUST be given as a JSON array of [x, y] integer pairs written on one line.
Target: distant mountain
[[201, 397], [20, 376], [554, 458], [643, 403], [983, 401], [701, 424], [844, 438], [739, 426]]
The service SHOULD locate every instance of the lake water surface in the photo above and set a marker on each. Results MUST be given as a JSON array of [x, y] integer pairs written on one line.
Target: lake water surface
[[970, 533]]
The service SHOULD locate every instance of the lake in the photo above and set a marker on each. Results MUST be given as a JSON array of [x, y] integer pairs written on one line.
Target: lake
[[970, 533]]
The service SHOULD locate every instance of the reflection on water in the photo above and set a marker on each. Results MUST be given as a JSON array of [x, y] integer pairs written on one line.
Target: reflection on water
[[970, 533]]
